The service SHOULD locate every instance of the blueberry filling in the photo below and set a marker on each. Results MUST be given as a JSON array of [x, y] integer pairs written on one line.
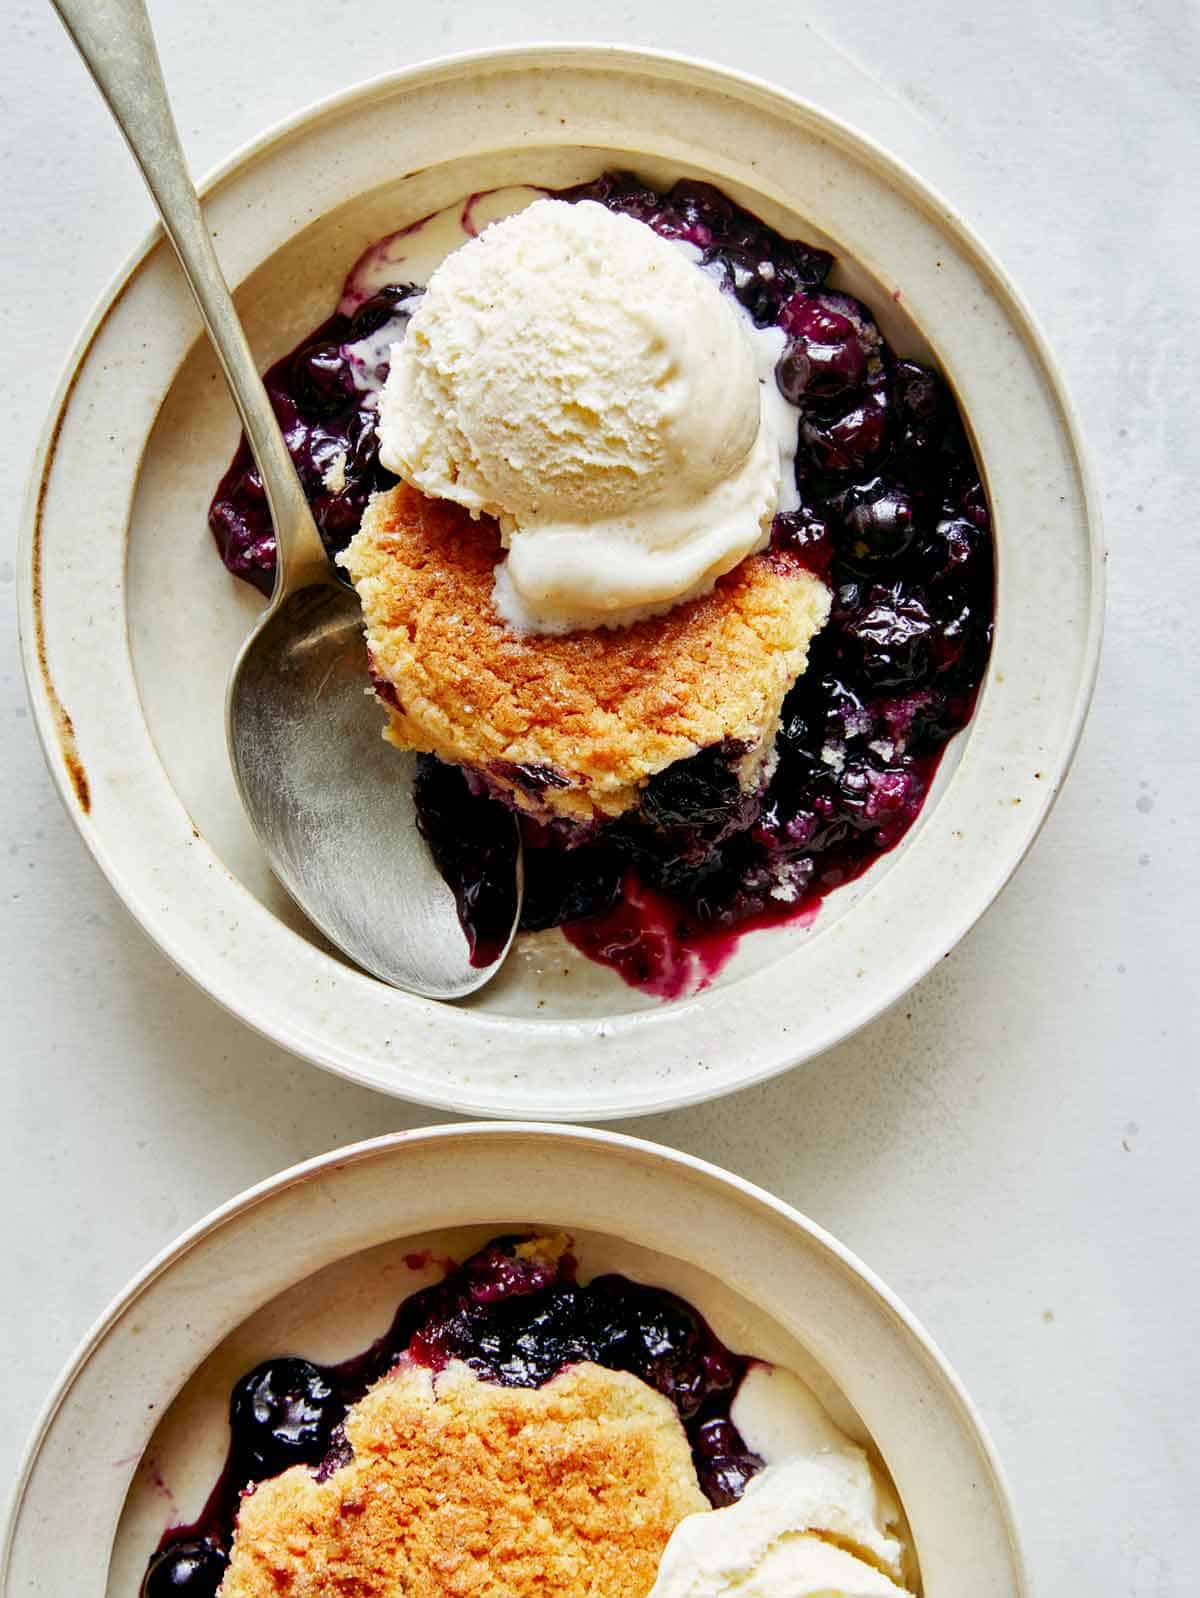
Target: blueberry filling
[[893, 516], [281, 1412], [194, 1566], [474, 844], [515, 1320], [328, 420]]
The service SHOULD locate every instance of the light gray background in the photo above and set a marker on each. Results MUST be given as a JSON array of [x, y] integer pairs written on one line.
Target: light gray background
[[1014, 1147]]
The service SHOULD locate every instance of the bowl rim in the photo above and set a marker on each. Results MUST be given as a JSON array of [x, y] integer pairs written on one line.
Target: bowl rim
[[560, 1138], [58, 742]]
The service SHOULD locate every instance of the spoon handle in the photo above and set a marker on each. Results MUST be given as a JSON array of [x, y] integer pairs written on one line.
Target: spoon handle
[[116, 42]]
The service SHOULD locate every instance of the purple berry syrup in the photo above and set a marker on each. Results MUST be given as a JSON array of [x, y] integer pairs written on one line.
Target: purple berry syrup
[[514, 1321], [475, 848], [893, 516]]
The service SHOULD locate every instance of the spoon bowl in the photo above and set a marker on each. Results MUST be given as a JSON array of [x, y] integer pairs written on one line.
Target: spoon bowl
[[332, 805]]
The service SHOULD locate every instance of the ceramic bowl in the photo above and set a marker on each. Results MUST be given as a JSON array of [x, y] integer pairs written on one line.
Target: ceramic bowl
[[316, 1260], [130, 623]]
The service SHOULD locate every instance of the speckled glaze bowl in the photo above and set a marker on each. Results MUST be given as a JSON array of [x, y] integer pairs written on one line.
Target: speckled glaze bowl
[[130, 624], [316, 1260]]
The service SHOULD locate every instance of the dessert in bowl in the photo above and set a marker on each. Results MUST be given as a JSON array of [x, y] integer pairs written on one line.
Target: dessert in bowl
[[520, 1428], [659, 544], [367, 1369], [133, 723]]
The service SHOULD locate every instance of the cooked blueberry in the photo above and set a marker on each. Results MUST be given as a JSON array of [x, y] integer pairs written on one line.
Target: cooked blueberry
[[755, 278], [918, 393], [282, 1414], [715, 1436], [680, 1380], [694, 211], [703, 791], [325, 447], [845, 435], [190, 1569], [804, 534], [809, 266], [892, 630], [827, 349], [527, 1341], [921, 410], [669, 223], [380, 308], [362, 434], [634, 198], [609, 1334], [619, 191], [703, 202], [668, 1329], [796, 316], [339, 516], [322, 378], [955, 551], [679, 860], [877, 517], [875, 794], [723, 1462], [745, 235], [724, 1477], [668, 1344]]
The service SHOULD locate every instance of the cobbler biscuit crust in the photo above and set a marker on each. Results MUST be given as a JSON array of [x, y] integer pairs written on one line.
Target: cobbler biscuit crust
[[460, 1487], [591, 714]]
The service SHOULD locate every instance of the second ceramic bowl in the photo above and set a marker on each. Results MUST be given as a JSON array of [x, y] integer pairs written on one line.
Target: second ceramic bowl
[[315, 1260]]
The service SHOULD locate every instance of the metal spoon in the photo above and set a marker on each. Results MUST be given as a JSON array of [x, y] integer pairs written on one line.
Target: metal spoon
[[330, 801]]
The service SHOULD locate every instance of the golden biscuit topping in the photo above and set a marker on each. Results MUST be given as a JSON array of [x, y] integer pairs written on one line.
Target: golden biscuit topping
[[460, 1487], [592, 715]]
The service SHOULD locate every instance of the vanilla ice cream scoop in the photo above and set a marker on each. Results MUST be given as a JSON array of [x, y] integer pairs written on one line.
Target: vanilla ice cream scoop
[[579, 378], [802, 1529], [818, 1522]]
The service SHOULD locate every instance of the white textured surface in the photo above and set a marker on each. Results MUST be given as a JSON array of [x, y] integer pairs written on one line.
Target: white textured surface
[[1014, 1146]]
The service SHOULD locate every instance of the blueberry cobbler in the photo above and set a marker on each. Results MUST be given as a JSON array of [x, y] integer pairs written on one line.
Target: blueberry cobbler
[[519, 1430], [659, 545]]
